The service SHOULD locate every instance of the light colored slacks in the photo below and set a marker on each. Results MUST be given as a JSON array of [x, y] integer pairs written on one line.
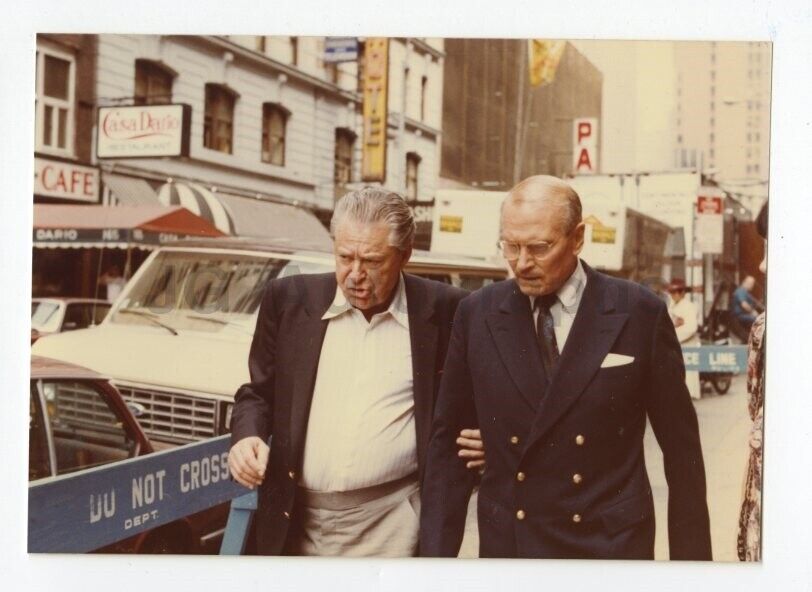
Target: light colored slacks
[[338, 525]]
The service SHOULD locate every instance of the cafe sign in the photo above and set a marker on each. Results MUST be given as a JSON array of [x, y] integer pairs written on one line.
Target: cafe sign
[[66, 180], [143, 131]]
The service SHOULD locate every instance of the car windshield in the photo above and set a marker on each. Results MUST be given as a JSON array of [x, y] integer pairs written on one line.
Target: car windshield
[[206, 291], [45, 316]]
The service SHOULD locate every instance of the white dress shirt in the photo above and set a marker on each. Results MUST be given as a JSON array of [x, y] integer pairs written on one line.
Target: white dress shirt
[[361, 430], [566, 306]]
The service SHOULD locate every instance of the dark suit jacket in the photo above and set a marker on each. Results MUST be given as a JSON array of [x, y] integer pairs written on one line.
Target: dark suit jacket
[[283, 362], [584, 491]]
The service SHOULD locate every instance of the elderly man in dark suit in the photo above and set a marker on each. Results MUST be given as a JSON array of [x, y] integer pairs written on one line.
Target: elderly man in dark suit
[[559, 368], [344, 372]]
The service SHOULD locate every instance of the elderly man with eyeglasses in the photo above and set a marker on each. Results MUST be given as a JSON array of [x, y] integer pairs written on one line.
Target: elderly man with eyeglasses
[[559, 368]]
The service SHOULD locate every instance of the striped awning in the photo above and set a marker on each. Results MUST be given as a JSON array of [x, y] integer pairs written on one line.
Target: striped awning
[[200, 201], [129, 191]]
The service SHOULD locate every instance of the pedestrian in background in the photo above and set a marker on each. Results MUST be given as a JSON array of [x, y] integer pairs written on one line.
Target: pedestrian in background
[[749, 539], [684, 316], [745, 306]]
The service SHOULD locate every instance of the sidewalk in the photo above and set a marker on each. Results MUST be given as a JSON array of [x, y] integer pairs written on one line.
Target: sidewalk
[[724, 427]]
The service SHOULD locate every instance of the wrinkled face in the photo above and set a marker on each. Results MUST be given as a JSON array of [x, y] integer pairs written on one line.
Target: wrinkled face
[[367, 267], [541, 221]]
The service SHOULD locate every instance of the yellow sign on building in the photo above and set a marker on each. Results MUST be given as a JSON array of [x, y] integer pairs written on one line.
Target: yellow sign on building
[[450, 223], [376, 90]]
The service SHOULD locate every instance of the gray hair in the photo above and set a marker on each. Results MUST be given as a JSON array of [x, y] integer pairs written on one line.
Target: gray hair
[[370, 205], [549, 189]]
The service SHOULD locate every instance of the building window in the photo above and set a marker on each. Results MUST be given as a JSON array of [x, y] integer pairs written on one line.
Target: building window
[[424, 82], [294, 51], [218, 123], [153, 83], [407, 74], [712, 90], [712, 138], [332, 72], [274, 122], [342, 168], [711, 153], [56, 72], [679, 139], [360, 62], [712, 121], [412, 164], [261, 45], [749, 137], [756, 168]]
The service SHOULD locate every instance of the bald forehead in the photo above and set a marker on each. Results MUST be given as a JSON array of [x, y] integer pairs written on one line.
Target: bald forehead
[[542, 189]]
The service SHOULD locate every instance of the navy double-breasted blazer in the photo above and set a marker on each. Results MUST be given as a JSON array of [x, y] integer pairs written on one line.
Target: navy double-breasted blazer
[[565, 474]]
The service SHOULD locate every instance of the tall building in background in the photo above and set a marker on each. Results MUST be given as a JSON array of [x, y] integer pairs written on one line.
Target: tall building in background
[[723, 114], [638, 103], [493, 118]]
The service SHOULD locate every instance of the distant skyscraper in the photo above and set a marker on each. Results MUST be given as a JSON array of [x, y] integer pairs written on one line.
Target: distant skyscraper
[[723, 113]]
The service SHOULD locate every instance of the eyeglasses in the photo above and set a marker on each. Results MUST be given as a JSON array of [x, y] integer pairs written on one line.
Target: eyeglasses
[[511, 251]]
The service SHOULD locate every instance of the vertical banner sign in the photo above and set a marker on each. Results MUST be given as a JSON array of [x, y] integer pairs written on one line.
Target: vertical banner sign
[[585, 145], [376, 90], [709, 229]]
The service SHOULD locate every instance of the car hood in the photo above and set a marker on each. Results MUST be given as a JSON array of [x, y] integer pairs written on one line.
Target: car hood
[[191, 360]]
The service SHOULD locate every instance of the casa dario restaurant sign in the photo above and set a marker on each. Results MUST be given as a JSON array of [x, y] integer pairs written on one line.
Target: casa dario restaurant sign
[[143, 131]]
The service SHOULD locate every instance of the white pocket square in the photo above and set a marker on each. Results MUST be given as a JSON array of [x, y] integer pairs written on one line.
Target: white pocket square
[[612, 360]]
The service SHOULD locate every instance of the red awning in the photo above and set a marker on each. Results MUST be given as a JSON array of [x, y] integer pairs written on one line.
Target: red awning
[[145, 226]]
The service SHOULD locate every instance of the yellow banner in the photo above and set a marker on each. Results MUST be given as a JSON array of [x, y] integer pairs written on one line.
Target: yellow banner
[[544, 56], [376, 90]]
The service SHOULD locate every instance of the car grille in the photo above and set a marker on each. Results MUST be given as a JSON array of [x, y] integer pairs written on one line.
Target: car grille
[[79, 403], [173, 417]]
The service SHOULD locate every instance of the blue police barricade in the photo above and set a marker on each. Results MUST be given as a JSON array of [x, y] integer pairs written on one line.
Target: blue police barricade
[[82, 512]]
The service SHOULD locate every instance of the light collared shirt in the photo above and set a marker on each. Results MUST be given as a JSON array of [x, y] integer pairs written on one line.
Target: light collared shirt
[[566, 305], [361, 430]]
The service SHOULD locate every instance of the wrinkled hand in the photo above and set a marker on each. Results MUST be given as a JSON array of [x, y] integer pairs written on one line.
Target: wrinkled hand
[[471, 448], [247, 461]]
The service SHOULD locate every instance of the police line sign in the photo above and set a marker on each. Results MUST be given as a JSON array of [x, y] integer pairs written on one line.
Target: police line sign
[[89, 510], [716, 358]]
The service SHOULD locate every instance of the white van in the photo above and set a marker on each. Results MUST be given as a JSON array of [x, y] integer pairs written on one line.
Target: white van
[[176, 341]]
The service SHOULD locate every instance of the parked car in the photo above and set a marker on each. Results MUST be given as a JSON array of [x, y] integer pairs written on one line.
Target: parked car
[[177, 340], [77, 421], [54, 315]]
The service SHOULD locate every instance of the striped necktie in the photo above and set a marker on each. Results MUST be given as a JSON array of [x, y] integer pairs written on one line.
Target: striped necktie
[[545, 333]]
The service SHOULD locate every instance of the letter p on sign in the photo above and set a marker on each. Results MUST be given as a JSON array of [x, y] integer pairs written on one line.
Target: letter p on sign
[[585, 145]]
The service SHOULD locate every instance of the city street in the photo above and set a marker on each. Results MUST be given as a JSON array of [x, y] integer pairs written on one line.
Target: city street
[[724, 426]]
